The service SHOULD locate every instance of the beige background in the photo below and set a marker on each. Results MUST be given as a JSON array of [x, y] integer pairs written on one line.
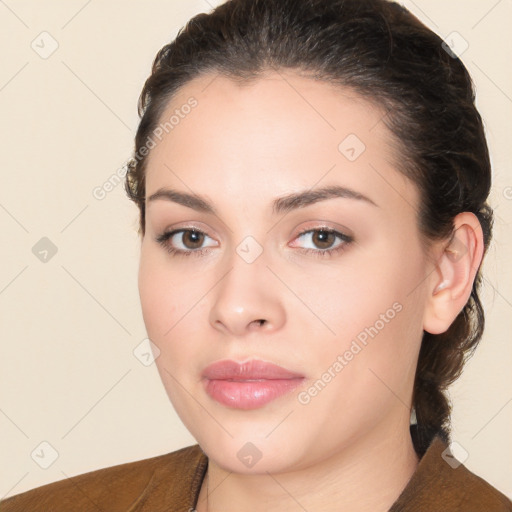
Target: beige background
[[69, 325]]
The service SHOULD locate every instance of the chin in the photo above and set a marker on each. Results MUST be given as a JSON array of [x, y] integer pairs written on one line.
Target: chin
[[249, 457], [247, 453]]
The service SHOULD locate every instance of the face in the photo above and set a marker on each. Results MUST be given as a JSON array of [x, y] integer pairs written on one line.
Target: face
[[338, 280]]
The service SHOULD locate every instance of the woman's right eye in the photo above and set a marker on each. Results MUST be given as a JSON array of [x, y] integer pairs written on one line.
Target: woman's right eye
[[188, 237]]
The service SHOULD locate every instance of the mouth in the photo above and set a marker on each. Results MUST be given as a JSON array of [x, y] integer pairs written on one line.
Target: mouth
[[248, 385]]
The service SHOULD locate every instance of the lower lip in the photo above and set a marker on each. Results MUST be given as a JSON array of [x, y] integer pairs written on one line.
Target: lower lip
[[249, 394]]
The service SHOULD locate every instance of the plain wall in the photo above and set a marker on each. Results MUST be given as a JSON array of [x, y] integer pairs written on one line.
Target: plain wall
[[69, 325]]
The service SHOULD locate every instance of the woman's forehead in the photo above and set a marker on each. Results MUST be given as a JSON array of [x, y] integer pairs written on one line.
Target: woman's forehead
[[272, 136]]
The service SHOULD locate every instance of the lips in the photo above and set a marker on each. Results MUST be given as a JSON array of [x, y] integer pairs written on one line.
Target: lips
[[251, 370], [248, 385]]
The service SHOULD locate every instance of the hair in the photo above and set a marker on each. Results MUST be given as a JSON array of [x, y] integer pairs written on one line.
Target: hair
[[378, 49]]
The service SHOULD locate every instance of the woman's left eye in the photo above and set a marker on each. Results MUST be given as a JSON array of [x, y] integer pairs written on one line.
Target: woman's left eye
[[323, 237]]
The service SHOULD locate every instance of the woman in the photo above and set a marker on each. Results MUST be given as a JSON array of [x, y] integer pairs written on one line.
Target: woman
[[312, 178]]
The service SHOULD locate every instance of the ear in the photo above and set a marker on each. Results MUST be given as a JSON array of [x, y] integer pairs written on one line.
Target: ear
[[450, 285]]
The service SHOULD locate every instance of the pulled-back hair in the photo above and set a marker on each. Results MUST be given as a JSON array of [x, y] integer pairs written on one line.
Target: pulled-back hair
[[380, 50]]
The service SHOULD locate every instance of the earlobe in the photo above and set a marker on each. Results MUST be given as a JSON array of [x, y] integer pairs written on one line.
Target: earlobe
[[450, 285]]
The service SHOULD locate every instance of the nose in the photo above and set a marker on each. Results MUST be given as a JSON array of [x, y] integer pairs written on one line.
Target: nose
[[247, 299]]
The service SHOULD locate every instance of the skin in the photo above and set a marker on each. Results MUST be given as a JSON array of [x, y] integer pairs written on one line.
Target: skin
[[349, 447]]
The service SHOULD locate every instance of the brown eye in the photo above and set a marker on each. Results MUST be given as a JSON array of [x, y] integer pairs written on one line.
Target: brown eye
[[323, 239], [184, 242], [192, 239]]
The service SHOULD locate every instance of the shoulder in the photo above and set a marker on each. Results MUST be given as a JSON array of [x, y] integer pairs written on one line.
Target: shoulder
[[164, 479], [441, 482]]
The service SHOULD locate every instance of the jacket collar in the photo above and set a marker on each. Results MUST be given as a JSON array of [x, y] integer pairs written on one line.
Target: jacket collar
[[439, 482]]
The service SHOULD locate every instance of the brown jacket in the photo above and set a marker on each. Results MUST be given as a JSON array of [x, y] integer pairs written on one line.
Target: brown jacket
[[171, 483]]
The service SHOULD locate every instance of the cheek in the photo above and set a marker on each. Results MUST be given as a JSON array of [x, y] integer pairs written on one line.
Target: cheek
[[362, 291], [379, 307], [158, 302], [166, 307], [170, 304], [151, 298]]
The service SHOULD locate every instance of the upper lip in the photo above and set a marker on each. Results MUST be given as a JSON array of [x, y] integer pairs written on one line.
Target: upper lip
[[250, 370]]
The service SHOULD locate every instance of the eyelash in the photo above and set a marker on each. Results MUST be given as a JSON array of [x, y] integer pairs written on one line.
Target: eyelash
[[163, 240]]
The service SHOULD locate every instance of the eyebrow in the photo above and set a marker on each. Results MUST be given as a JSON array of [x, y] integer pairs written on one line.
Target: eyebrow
[[280, 205]]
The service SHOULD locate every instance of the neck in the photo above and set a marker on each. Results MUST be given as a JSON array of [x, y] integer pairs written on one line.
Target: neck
[[367, 476]]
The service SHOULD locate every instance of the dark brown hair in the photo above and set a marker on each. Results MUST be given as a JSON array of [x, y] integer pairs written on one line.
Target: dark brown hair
[[380, 50]]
